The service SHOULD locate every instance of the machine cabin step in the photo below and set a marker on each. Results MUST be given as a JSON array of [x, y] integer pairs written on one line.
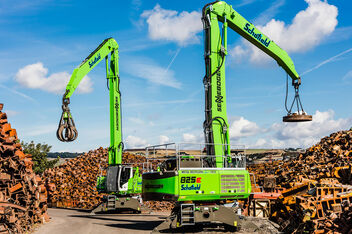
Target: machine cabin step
[[111, 202], [187, 214]]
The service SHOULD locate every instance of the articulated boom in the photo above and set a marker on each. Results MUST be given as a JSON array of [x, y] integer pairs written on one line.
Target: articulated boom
[[216, 123], [66, 125]]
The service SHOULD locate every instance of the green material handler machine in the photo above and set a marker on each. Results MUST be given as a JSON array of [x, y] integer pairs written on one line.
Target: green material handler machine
[[122, 182], [202, 185]]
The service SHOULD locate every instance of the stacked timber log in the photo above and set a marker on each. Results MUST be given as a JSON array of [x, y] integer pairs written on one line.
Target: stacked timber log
[[23, 195], [73, 184], [315, 186], [159, 205]]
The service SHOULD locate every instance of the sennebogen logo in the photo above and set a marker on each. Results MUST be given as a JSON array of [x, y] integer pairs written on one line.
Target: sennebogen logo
[[218, 97], [257, 36], [94, 61], [117, 105]]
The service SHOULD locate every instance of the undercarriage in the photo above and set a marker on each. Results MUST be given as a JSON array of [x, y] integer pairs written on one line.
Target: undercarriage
[[115, 204], [194, 216]]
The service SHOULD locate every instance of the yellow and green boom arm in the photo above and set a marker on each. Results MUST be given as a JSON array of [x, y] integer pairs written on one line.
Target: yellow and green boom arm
[[66, 130], [216, 123]]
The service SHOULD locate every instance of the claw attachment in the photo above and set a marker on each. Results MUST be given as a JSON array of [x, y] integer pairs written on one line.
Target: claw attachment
[[66, 131]]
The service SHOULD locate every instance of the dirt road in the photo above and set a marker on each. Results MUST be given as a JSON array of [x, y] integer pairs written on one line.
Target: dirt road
[[65, 221]]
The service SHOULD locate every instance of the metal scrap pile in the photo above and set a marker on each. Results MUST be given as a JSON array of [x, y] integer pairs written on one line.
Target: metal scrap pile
[[23, 196], [315, 186], [338, 223]]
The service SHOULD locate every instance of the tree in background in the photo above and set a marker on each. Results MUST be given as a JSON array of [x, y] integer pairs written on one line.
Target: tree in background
[[39, 154]]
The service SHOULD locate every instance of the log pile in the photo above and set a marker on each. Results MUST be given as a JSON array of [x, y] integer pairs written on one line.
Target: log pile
[[73, 184], [23, 195], [315, 185], [160, 205]]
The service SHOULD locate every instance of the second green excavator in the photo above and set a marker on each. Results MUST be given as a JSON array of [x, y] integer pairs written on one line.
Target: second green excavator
[[122, 182]]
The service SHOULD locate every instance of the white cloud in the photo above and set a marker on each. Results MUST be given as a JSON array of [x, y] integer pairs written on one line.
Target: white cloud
[[163, 139], [285, 135], [135, 142], [303, 135], [34, 76], [323, 124], [189, 138], [260, 143], [148, 70], [170, 25], [280, 135], [243, 128], [238, 52], [192, 141], [307, 30]]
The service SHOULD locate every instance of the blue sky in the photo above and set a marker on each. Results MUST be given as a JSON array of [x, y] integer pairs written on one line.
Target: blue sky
[[162, 66]]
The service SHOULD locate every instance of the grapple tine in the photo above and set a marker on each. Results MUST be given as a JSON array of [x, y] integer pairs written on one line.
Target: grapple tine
[[66, 131]]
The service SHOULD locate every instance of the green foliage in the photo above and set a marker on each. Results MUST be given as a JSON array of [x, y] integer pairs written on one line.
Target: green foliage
[[39, 156]]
